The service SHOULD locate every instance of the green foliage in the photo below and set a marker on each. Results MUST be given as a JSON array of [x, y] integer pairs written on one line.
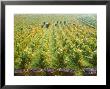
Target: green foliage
[[71, 46]]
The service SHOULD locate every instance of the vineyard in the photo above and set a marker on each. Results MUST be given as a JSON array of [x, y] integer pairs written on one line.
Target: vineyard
[[55, 45]]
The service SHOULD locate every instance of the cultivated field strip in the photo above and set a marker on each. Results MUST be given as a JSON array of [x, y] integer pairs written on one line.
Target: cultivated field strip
[[54, 45]]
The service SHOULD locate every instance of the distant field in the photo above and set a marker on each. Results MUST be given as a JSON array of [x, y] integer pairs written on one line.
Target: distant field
[[55, 44]]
